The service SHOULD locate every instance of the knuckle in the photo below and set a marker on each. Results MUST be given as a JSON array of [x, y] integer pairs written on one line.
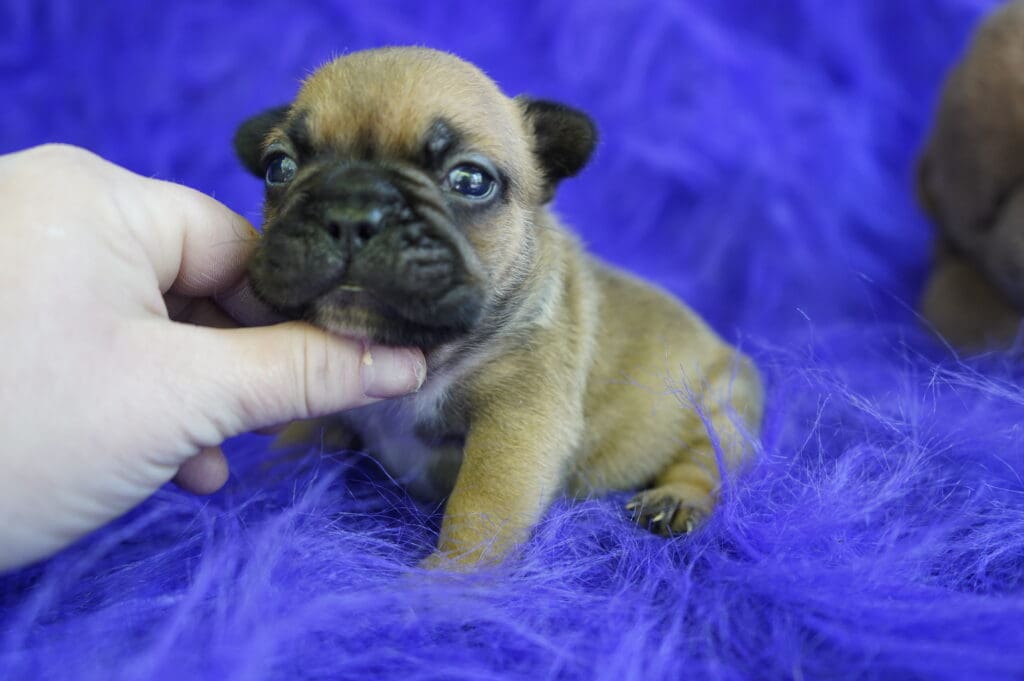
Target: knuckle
[[60, 158], [55, 173], [321, 373]]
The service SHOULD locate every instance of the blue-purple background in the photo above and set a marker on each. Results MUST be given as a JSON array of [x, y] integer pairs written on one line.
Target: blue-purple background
[[756, 158]]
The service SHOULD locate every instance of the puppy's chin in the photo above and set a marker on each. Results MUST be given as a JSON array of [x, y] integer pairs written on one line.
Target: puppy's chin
[[356, 313]]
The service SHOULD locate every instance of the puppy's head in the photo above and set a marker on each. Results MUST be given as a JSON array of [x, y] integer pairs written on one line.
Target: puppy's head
[[971, 173], [401, 186]]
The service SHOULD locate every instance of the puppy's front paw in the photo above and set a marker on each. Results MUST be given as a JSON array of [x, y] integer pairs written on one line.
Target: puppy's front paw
[[669, 509], [453, 557], [453, 562]]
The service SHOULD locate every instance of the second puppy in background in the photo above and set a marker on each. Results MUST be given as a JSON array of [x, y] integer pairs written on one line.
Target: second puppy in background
[[971, 182]]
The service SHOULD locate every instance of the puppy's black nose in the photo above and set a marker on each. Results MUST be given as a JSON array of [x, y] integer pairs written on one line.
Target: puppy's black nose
[[354, 223], [356, 202]]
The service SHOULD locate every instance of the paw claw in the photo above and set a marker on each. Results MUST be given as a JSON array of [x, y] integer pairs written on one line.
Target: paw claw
[[665, 512]]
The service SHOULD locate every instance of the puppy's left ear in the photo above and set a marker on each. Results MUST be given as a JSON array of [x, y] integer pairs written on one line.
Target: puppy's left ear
[[250, 135], [563, 139]]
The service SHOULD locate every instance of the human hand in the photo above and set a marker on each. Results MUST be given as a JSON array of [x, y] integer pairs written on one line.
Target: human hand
[[105, 394]]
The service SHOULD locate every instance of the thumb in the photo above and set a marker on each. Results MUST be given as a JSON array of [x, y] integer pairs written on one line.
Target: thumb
[[242, 379]]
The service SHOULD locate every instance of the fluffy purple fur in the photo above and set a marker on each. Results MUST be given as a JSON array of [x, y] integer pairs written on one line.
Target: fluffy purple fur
[[756, 159]]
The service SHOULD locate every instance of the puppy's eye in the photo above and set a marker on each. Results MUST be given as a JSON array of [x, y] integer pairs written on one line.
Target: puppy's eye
[[471, 181], [281, 170]]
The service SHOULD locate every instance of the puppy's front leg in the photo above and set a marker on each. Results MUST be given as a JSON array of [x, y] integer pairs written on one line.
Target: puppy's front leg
[[514, 464]]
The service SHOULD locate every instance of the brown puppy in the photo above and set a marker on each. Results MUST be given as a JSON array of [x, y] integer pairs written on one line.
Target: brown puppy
[[971, 182], [407, 204]]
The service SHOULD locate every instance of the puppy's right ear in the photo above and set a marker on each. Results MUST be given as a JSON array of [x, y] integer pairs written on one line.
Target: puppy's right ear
[[250, 135]]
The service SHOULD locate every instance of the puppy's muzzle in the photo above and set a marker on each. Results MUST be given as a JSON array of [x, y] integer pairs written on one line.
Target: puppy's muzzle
[[383, 234]]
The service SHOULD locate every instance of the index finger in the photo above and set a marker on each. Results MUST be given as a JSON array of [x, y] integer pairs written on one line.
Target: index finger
[[195, 245], [201, 246]]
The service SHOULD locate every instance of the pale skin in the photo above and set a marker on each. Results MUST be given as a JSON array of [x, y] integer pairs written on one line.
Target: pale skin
[[118, 367]]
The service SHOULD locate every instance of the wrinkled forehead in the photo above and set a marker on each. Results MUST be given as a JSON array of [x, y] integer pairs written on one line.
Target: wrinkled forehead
[[390, 103]]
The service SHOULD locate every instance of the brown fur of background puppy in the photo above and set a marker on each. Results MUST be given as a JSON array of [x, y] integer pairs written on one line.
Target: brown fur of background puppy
[[971, 182], [407, 204]]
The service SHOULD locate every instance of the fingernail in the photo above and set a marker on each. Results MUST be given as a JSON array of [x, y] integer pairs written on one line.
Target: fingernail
[[390, 372]]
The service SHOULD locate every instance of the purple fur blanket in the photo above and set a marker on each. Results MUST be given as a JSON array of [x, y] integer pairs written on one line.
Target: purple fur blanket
[[756, 159]]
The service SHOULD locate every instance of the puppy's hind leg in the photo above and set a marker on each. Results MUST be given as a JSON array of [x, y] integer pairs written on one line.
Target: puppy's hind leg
[[684, 493]]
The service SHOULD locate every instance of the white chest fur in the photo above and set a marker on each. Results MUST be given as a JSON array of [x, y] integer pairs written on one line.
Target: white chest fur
[[390, 431]]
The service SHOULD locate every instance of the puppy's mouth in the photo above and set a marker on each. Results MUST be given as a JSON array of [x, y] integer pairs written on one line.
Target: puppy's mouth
[[370, 252]]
